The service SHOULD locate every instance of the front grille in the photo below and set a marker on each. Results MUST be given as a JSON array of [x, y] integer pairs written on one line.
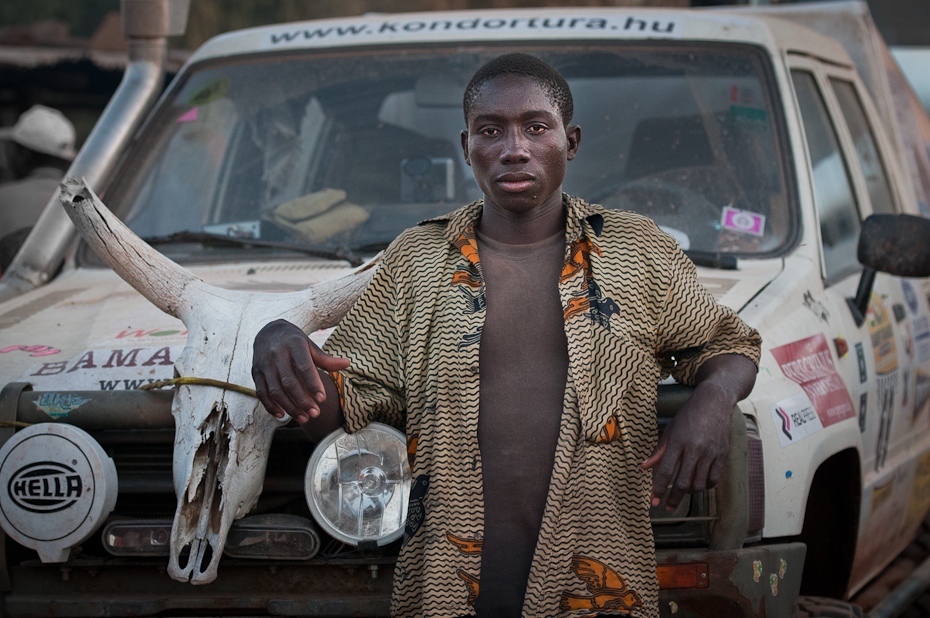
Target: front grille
[[756, 474], [144, 462]]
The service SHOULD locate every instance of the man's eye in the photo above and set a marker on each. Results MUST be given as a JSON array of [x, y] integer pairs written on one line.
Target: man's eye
[[536, 128], [491, 131]]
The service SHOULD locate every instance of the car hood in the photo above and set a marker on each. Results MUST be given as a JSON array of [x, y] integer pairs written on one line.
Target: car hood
[[88, 330], [735, 288]]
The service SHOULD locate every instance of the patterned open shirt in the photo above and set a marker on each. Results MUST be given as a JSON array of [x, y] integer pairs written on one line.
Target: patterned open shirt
[[634, 312]]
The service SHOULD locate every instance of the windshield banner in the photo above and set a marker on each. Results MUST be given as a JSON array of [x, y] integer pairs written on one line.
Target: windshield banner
[[508, 27]]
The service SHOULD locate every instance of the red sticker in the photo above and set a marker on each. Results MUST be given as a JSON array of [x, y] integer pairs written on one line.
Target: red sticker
[[809, 363]]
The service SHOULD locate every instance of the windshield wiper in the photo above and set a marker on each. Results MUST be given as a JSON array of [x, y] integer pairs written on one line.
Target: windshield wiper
[[372, 247], [712, 259], [220, 239]]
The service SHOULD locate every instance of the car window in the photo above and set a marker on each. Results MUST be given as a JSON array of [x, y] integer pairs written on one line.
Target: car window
[[870, 161], [349, 148], [833, 193]]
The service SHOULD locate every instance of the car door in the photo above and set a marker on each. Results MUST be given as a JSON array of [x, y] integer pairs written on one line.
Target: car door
[[880, 364], [898, 318]]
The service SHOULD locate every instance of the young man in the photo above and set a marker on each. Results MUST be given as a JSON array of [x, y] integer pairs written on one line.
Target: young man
[[519, 341]]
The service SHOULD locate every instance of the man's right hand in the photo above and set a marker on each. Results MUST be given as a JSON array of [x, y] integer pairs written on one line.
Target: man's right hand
[[287, 380]]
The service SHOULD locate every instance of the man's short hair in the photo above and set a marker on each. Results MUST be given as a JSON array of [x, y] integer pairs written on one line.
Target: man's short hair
[[551, 81]]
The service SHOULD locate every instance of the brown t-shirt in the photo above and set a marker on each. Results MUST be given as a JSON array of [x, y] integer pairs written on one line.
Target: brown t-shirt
[[523, 364]]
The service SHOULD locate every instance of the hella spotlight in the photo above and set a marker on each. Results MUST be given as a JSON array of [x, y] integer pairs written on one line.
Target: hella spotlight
[[357, 484]]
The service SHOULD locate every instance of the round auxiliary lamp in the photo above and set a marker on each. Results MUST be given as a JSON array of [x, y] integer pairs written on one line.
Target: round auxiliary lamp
[[357, 485], [57, 485]]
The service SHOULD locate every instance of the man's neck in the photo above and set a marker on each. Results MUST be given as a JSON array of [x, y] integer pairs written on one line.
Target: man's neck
[[542, 222]]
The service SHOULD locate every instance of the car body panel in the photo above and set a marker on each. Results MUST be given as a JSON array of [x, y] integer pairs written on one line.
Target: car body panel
[[826, 384]]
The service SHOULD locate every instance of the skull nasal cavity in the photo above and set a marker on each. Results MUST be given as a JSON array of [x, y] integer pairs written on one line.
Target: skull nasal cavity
[[184, 556], [206, 558]]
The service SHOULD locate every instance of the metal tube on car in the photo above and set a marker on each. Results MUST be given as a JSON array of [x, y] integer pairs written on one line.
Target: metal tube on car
[[90, 410], [146, 24]]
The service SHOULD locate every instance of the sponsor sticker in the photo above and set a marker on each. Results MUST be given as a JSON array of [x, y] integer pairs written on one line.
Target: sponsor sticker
[[881, 496], [863, 408], [860, 358], [886, 393], [919, 501], [188, 116], [58, 405], [882, 334], [33, 350], [808, 363], [910, 296], [126, 367], [795, 419], [743, 221], [209, 92]]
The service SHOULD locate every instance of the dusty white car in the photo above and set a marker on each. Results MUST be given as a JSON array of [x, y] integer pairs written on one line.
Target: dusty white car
[[282, 156]]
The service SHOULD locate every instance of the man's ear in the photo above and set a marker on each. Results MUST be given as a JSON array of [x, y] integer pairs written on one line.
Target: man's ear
[[573, 134], [464, 137]]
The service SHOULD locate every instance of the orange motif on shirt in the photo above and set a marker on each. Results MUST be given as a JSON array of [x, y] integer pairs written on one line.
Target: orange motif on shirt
[[471, 583], [577, 306], [339, 380], [469, 547], [468, 245], [463, 276], [579, 253], [607, 589], [412, 449], [610, 431]]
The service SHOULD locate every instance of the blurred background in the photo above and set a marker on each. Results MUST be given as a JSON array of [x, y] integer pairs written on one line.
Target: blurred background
[[70, 54]]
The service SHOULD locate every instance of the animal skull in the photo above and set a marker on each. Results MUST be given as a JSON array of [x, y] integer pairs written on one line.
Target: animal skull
[[222, 437]]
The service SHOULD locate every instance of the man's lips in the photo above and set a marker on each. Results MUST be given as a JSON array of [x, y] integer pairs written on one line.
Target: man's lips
[[515, 182]]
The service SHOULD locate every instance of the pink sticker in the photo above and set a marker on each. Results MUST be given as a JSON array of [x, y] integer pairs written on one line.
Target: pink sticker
[[36, 350], [188, 116], [743, 221]]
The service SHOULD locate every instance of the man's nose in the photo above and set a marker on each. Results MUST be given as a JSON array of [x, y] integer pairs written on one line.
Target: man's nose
[[515, 147]]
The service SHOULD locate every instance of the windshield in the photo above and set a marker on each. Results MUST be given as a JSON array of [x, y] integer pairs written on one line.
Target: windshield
[[346, 149]]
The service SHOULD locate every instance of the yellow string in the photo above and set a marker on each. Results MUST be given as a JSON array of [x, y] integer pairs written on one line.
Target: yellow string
[[202, 382]]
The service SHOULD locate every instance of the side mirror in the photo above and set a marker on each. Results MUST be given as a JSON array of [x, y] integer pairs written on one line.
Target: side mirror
[[895, 244]]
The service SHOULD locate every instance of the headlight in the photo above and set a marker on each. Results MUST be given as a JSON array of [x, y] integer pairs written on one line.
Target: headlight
[[357, 485]]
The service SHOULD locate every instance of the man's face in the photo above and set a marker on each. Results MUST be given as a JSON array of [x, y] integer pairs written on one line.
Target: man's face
[[517, 144]]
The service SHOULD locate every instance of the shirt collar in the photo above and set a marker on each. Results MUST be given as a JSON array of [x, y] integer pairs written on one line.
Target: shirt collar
[[582, 220]]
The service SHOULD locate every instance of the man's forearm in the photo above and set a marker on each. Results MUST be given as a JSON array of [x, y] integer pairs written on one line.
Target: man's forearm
[[331, 417], [731, 376]]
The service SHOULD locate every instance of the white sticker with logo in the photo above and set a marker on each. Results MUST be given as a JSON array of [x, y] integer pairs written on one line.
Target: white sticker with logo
[[795, 419]]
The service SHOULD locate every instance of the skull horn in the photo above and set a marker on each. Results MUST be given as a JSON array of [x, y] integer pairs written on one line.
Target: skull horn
[[156, 277]]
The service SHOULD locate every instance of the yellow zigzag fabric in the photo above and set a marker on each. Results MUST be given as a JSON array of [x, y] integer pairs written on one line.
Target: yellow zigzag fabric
[[632, 304]]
